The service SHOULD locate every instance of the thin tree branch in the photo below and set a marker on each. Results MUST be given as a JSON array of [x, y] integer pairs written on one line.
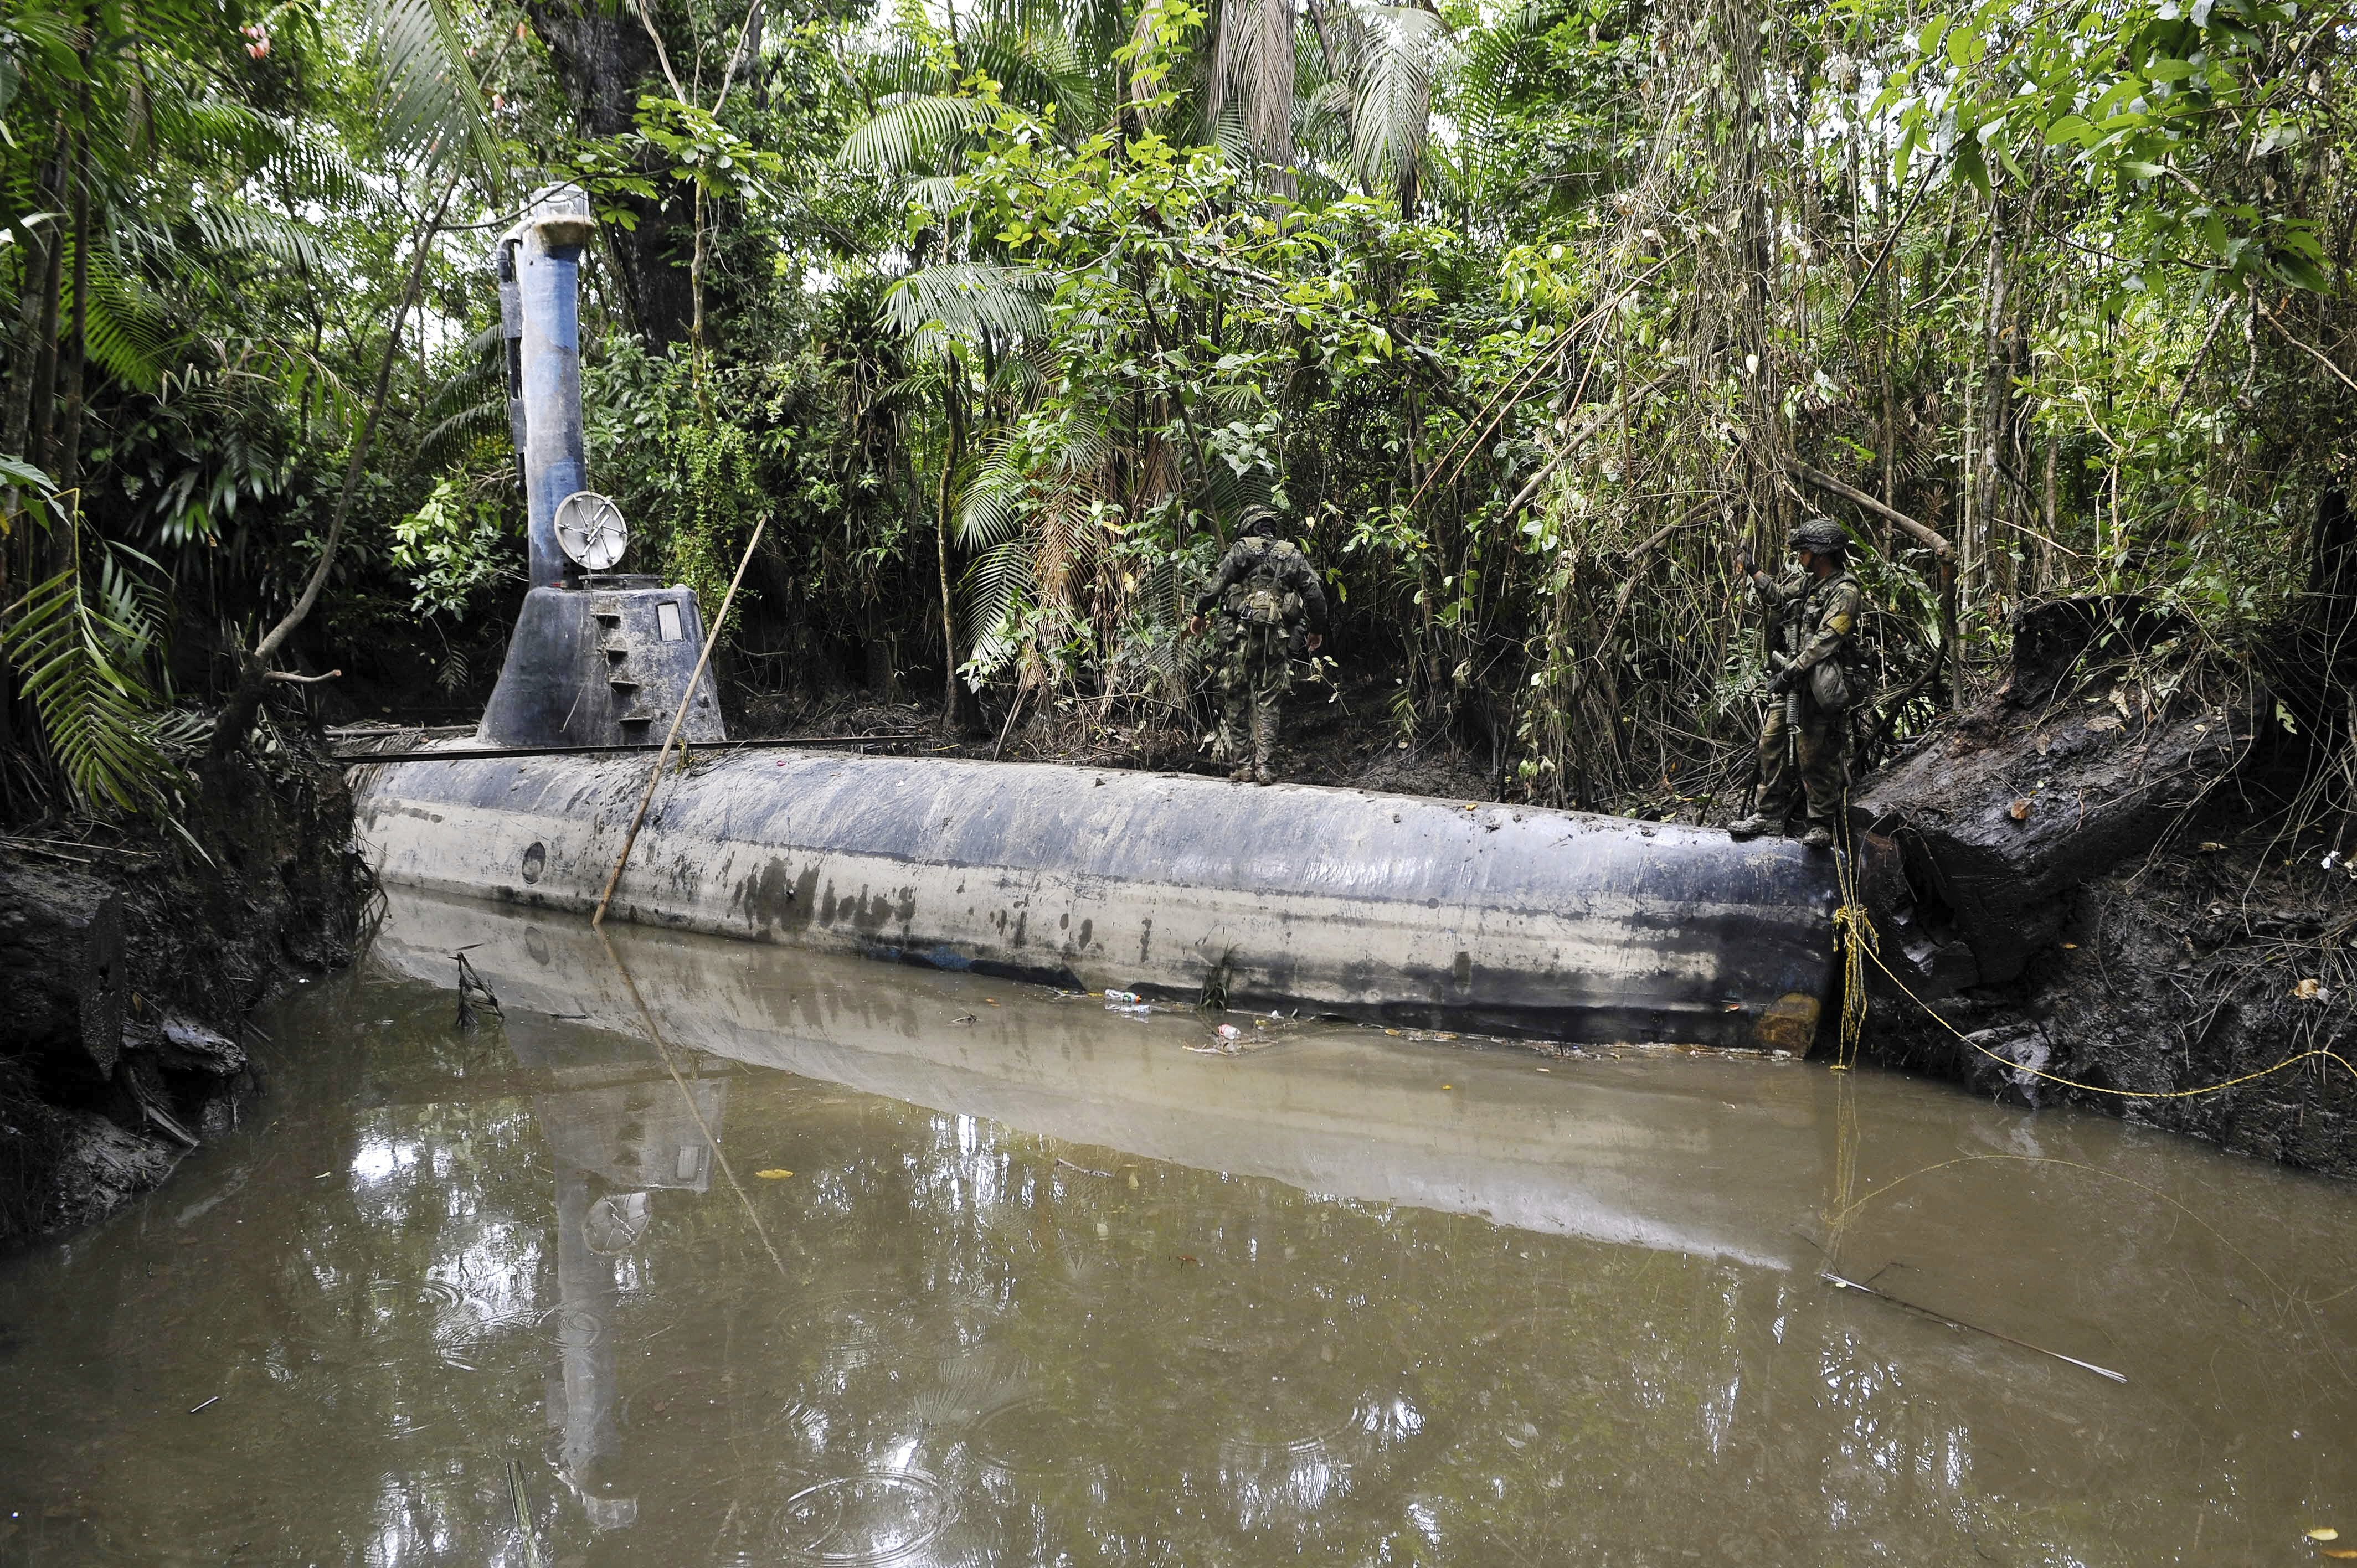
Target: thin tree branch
[[2310, 349], [238, 714], [1927, 537]]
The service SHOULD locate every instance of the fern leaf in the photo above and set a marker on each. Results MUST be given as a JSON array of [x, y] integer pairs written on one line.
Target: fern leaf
[[96, 713]]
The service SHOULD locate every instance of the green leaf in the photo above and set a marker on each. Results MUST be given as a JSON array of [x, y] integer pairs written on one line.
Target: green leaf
[[1970, 164]]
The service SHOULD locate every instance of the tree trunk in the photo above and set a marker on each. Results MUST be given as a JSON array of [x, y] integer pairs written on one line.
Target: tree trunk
[[603, 59], [1993, 508], [32, 297], [43, 398], [2046, 545], [1989, 863], [16, 426]]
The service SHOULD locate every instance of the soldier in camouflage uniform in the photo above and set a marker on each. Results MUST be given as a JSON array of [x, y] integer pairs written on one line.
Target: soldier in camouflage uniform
[[1265, 590], [1812, 613]]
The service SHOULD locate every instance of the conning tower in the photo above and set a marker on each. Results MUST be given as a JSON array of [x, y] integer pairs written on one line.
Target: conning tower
[[598, 658]]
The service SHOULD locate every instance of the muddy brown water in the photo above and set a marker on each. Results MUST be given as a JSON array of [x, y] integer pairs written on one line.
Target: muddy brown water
[[1052, 1283]]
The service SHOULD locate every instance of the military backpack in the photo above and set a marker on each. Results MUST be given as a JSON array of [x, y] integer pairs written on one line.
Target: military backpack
[[1262, 598]]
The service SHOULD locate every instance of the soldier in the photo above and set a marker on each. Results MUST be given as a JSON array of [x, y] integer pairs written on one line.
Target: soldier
[[1265, 590], [1813, 614]]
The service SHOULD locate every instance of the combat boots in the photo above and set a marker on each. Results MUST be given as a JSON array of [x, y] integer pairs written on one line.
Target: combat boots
[[1752, 826], [1263, 746]]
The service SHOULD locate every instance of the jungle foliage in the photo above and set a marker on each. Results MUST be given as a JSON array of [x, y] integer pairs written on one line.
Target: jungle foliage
[[1000, 312]]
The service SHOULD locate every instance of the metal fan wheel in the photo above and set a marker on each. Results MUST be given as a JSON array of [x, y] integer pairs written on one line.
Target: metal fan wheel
[[590, 530]]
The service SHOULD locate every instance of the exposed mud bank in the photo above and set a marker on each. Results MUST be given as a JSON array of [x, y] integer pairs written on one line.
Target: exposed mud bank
[[132, 963], [2092, 876]]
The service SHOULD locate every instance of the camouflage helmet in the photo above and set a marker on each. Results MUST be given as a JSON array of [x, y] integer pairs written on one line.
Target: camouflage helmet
[[1820, 536], [1262, 522]]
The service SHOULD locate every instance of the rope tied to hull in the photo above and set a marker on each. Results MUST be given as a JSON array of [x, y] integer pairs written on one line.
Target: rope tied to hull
[[1853, 931]]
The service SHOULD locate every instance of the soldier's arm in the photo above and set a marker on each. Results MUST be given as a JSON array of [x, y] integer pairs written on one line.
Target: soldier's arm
[[1304, 581], [1835, 630], [1773, 596], [1230, 569]]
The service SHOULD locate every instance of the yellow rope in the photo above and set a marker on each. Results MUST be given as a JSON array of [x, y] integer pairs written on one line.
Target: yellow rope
[[1858, 941], [2290, 1061], [1858, 936]]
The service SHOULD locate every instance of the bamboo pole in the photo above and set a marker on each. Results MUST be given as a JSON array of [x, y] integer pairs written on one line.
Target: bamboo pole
[[654, 775]]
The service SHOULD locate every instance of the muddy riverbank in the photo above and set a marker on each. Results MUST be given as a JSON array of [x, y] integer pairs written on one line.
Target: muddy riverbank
[[135, 959], [2102, 885]]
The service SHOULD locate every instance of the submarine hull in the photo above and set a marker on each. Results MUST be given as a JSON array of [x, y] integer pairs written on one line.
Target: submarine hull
[[1392, 908]]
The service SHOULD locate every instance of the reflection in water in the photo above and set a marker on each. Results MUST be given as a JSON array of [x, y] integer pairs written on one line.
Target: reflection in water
[[615, 1135], [1046, 1286]]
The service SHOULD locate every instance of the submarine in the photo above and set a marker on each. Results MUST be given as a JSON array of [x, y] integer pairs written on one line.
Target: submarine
[[1474, 915]]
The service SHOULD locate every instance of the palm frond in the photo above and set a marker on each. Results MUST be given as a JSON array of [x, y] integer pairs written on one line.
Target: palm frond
[[1045, 65], [936, 193], [913, 132], [967, 300], [988, 507], [234, 134], [306, 168], [1325, 115], [1253, 69], [235, 226], [125, 327], [449, 437], [1399, 46], [431, 104], [1144, 69], [996, 585], [483, 369], [901, 66], [78, 654], [1084, 442]]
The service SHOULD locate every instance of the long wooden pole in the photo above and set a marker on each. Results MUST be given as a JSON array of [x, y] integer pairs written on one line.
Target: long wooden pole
[[654, 776]]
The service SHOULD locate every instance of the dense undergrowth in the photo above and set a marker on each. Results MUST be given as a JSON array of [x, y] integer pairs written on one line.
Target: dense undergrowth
[[999, 313]]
